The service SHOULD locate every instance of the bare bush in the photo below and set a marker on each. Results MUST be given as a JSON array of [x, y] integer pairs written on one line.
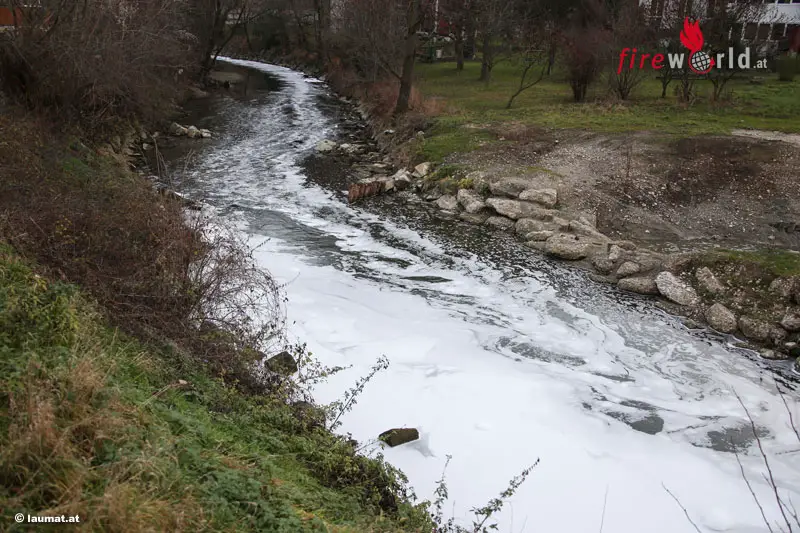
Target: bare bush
[[585, 46], [98, 61]]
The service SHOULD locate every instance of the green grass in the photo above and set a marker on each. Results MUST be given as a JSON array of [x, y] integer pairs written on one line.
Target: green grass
[[472, 107], [134, 437], [774, 262]]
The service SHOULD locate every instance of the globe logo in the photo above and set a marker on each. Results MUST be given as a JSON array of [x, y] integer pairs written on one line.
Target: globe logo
[[692, 38], [700, 62]]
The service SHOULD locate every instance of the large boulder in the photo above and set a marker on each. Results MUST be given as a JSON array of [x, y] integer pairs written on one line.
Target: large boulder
[[193, 133], [581, 228], [398, 436], [479, 180], [545, 197], [470, 201], [639, 285], [754, 329], [447, 202], [708, 282], [422, 170], [283, 363], [569, 247], [628, 268], [528, 225], [675, 290], [516, 209], [721, 318], [402, 180], [510, 187]]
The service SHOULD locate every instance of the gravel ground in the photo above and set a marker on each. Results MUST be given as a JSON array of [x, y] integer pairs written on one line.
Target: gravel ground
[[671, 194]]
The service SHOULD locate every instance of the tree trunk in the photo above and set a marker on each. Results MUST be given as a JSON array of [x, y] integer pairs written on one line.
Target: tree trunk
[[469, 27], [486, 59], [410, 55], [459, 45]]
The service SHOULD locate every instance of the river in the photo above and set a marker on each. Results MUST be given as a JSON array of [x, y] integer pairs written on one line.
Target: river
[[499, 356]]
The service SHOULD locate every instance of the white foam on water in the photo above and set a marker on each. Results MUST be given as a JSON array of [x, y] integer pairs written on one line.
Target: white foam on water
[[498, 369]]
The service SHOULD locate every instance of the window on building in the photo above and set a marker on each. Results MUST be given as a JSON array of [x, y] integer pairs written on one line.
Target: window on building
[[777, 31], [763, 32], [750, 31]]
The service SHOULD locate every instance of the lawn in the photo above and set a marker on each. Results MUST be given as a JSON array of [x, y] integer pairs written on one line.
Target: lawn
[[471, 108]]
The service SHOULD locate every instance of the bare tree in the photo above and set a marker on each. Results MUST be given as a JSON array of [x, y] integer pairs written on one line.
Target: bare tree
[[628, 27], [494, 23]]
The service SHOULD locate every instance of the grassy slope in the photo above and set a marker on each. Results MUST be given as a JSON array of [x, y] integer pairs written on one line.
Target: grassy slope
[[772, 105], [96, 424]]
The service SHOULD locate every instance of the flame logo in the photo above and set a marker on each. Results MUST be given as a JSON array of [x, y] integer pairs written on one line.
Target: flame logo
[[692, 38]]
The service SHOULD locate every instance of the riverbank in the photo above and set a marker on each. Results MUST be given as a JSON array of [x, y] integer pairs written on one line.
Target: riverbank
[[125, 400]]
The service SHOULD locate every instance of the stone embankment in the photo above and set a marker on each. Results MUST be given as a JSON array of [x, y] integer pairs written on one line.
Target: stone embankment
[[705, 287]]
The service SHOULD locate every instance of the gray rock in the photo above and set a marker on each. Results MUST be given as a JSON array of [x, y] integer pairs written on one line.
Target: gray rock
[[757, 330], [777, 335], [708, 282], [640, 285], [628, 268], [178, 130], [447, 202], [568, 247], [283, 363], [528, 225], [433, 195], [539, 236], [510, 187], [205, 134], [470, 201], [676, 263], [402, 180], [398, 436], [193, 133], [603, 264], [721, 318], [500, 223], [326, 146], [516, 209], [675, 290], [422, 170], [544, 197], [584, 229], [791, 322], [615, 253], [772, 355], [480, 181]]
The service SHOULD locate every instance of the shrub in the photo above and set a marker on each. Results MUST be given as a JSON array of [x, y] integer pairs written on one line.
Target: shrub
[[98, 62]]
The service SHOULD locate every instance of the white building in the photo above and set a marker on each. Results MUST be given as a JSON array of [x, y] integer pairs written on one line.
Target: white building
[[772, 21]]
